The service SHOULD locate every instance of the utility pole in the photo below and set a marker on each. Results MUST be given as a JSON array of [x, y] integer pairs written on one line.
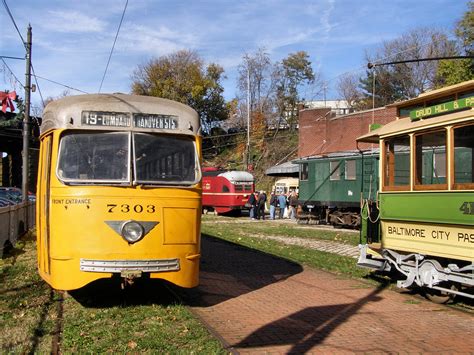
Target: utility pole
[[248, 115], [26, 121]]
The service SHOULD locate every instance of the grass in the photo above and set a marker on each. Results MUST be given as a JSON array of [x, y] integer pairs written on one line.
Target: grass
[[99, 318], [249, 227], [249, 234]]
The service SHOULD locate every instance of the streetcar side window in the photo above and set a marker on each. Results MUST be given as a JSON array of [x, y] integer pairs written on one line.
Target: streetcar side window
[[350, 170], [430, 160], [238, 187], [397, 163], [304, 172], [335, 171], [464, 157]]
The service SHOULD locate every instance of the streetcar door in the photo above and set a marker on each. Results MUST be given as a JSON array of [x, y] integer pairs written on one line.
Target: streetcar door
[[43, 196]]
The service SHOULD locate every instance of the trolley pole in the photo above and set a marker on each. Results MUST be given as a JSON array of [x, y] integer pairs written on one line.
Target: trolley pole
[[26, 121]]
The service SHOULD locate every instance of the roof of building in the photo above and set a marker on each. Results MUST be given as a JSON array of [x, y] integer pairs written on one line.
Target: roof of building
[[285, 169]]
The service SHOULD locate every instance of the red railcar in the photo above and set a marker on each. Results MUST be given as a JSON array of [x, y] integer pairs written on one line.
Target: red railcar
[[226, 191]]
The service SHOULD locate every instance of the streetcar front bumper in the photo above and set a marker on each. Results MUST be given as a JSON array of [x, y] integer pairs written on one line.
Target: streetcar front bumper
[[120, 266]]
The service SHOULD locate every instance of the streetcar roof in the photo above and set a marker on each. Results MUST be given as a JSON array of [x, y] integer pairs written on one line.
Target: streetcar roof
[[121, 112], [434, 94], [406, 125], [339, 155], [287, 181], [238, 176]]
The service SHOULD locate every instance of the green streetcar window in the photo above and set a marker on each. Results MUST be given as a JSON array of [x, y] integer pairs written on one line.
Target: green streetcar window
[[464, 157], [304, 171], [430, 159], [334, 167], [397, 163], [350, 170]]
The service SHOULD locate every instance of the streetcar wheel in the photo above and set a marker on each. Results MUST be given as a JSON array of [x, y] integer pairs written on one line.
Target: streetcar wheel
[[438, 296]]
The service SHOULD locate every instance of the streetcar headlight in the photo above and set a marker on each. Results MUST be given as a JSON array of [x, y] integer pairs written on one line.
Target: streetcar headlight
[[132, 231]]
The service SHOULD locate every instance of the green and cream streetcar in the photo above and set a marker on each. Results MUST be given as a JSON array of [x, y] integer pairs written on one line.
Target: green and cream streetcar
[[422, 223]]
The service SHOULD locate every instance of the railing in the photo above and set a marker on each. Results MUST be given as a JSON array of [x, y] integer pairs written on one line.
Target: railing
[[14, 223]]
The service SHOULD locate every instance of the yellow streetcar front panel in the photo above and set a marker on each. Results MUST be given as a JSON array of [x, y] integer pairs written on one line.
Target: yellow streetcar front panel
[[119, 191]]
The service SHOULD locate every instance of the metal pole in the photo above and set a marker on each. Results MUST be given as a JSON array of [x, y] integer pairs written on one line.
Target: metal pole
[[248, 114], [26, 121]]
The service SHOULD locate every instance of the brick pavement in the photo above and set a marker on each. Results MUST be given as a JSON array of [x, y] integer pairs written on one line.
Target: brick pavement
[[260, 304]]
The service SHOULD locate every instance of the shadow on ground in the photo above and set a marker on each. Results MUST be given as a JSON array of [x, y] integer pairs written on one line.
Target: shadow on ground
[[229, 270], [307, 328], [109, 293]]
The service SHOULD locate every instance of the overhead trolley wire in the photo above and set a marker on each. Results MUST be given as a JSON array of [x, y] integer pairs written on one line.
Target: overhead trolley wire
[[24, 45], [113, 46], [12, 73], [13, 20], [58, 83]]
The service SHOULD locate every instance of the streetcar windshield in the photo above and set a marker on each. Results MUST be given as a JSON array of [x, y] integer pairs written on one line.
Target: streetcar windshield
[[94, 157], [106, 158], [168, 159]]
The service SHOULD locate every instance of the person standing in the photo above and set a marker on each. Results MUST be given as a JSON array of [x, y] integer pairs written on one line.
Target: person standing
[[293, 202], [252, 201], [273, 204], [282, 203], [262, 198]]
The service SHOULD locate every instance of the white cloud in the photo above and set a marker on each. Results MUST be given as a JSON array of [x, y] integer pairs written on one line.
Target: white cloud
[[71, 22], [140, 38]]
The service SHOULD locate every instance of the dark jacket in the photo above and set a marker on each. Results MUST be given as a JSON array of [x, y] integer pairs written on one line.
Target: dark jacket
[[252, 200], [293, 200], [274, 201]]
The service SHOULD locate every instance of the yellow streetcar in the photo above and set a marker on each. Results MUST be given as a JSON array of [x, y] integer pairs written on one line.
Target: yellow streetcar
[[119, 190]]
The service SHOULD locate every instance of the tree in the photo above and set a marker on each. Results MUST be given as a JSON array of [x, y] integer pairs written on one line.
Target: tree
[[293, 72], [256, 86], [451, 72], [408, 80], [183, 77], [347, 87]]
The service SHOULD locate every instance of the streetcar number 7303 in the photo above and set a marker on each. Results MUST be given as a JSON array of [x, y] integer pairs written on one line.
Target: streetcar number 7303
[[125, 208]]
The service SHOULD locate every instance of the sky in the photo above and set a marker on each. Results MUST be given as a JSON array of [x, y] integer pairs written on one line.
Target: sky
[[72, 39]]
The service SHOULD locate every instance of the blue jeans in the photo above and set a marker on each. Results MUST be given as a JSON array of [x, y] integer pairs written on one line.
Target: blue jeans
[[252, 212], [272, 212]]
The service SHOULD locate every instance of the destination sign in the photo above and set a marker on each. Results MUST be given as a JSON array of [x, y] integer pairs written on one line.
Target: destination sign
[[443, 108], [155, 121], [126, 119], [107, 119], [429, 233]]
